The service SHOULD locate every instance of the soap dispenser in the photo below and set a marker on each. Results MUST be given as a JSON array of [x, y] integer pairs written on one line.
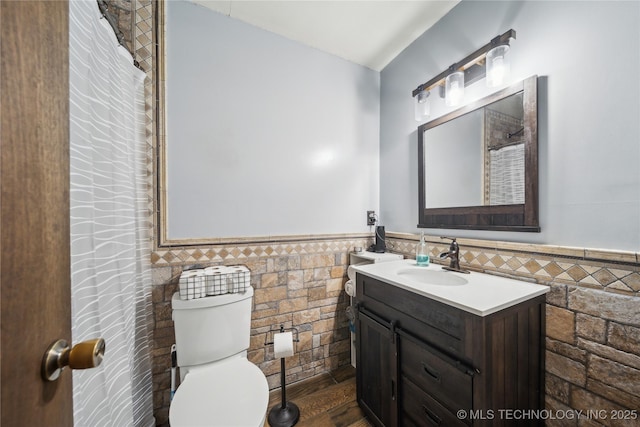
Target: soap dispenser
[[422, 252]]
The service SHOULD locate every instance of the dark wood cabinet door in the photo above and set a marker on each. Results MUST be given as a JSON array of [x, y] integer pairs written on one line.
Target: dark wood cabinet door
[[375, 366]]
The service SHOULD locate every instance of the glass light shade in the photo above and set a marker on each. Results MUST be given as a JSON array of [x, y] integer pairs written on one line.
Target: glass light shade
[[454, 88], [498, 67], [421, 106]]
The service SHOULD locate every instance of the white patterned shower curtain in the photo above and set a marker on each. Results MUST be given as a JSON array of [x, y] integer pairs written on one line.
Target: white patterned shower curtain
[[507, 175], [110, 248]]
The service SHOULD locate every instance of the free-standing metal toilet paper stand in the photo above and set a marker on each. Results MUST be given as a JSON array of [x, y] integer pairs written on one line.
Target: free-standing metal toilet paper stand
[[286, 414]]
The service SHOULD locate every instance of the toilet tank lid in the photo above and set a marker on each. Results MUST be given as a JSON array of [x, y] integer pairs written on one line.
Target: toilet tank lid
[[179, 304]]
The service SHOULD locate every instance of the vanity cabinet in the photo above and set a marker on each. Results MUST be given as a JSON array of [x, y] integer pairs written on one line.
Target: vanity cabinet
[[421, 362]]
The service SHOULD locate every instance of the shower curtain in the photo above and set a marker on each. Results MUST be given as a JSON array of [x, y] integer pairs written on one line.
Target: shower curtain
[[110, 247], [507, 175]]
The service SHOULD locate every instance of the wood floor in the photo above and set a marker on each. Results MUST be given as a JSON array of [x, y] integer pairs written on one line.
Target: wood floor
[[328, 400]]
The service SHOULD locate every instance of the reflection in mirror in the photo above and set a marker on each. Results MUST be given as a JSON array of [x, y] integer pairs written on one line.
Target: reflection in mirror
[[453, 160], [503, 148], [478, 167], [485, 150]]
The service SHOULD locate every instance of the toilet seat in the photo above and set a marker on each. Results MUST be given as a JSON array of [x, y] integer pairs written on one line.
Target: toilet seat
[[228, 393]]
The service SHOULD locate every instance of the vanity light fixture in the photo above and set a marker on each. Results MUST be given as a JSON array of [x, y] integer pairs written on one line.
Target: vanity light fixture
[[454, 88], [421, 105], [497, 63], [491, 60]]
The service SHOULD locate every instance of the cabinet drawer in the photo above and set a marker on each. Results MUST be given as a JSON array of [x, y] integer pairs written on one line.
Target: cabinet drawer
[[448, 321], [420, 409], [447, 383]]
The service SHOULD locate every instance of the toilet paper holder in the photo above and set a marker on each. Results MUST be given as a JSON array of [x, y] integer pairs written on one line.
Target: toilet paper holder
[[280, 330], [286, 414]]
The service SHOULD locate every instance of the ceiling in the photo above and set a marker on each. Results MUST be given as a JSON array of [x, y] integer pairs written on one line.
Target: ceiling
[[368, 32]]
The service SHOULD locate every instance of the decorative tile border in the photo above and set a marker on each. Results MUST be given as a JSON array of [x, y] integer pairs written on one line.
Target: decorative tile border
[[604, 270], [144, 45], [241, 251]]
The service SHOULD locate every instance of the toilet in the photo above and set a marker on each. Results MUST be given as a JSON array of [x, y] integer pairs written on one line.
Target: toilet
[[218, 385]]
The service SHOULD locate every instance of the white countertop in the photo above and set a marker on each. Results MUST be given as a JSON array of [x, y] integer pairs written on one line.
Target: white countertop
[[483, 294], [376, 256]]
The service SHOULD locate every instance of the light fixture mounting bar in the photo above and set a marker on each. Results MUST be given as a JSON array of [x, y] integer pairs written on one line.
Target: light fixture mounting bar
[[469, 64]]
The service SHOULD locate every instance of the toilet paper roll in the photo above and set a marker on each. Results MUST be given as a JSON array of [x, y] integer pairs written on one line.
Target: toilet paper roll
[[214, 282], [200, 290], [350, 288], [283, 345], [192, 284], [351, 273], [232, 284]]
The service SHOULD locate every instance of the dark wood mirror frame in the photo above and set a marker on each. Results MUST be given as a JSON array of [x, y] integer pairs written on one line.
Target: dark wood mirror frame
[[516, 217]]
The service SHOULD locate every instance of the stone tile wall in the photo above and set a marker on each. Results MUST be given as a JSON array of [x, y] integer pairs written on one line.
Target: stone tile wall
[[592, 325], [120, 12], [297, 284]]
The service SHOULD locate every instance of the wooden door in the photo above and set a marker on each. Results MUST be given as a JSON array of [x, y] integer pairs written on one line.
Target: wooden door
[[34, 184]]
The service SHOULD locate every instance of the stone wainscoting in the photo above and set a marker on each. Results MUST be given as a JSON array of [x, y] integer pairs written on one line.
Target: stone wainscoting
[[297, 284], [592, 325]]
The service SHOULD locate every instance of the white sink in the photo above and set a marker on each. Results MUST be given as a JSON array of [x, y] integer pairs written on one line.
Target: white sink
[[478, 293], [431, 277]]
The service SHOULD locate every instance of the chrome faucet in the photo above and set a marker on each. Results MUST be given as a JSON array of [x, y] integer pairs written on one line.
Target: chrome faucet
[[454, 255]]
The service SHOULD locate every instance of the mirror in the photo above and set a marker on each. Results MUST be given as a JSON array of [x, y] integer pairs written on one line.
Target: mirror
[[478, 165]]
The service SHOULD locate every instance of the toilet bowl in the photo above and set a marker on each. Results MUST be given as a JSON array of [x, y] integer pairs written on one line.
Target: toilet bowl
[[228, 393]]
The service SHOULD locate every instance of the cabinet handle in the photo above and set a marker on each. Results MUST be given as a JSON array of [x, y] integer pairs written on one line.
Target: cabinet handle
[[431, 372], [431, 416], [393, 390]]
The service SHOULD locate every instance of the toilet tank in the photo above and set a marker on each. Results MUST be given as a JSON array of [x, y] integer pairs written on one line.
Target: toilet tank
[[212, 328]]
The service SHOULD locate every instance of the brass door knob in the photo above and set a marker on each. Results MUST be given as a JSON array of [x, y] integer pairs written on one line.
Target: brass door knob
[[84, 355]]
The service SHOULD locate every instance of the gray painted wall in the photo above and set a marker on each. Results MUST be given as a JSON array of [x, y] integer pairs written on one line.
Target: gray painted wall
[[265, 136], [587, 55]]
